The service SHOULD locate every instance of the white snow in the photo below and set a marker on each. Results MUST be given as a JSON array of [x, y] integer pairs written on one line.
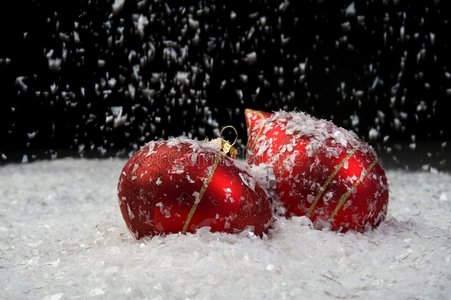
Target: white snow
[[117, 6], [350, 10], [62, 236]]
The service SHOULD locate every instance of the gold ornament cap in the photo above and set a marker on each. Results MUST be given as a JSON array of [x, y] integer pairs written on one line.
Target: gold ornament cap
[[226, 147]]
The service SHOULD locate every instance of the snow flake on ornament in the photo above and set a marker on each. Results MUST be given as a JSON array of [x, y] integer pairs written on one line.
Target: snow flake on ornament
[[190, 180], [247, 180], [130, 213], [177, 169], [150, 148]]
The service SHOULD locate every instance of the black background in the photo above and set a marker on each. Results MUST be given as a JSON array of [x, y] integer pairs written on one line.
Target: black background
[[191, 67]]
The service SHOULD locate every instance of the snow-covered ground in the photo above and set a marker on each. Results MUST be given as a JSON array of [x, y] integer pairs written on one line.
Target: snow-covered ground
[[62, 236]]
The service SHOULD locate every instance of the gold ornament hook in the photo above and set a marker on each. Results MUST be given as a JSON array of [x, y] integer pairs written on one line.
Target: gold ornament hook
[[227, 147], [234, 129]]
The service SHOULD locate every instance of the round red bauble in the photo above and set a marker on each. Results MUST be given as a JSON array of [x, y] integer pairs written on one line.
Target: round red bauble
[[322, 171], [181, 185]]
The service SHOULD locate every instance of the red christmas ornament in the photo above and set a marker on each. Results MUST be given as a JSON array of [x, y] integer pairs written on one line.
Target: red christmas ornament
[[181, 185], [322, 171]]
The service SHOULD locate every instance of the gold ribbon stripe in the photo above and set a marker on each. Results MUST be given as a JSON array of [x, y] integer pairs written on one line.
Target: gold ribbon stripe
[[346, 195], [329, 181], [201, 192]]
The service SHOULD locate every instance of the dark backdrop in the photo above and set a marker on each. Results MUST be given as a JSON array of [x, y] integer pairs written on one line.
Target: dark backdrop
[[101, 78]]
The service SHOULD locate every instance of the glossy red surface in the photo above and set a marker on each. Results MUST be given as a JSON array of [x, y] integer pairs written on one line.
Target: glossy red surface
[[158, 187], [340, 192]]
